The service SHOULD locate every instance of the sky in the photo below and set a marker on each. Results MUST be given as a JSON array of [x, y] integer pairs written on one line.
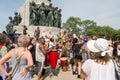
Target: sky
[[103, 12]]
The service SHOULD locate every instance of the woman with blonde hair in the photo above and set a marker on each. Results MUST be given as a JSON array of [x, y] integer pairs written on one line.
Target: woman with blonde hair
[[21, 72], [101, 66]]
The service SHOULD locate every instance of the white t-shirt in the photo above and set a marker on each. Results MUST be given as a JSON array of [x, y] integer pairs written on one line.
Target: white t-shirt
[[97, 71], [40, 57], [51, 44]]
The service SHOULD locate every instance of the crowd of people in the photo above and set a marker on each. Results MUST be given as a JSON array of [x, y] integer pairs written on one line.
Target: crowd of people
[[90, 57]]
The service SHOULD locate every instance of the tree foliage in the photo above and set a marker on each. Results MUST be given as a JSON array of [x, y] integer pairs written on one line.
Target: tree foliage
[[89, 28], [72, 24]]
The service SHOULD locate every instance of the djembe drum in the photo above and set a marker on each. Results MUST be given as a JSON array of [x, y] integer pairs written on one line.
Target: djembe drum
[[64, 63], [53, 57]]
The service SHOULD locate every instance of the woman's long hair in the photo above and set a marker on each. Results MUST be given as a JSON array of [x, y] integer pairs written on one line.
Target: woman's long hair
[[75, 40], [100, 59]]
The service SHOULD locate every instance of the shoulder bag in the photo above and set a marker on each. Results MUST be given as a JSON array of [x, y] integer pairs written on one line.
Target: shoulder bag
[[116, 72], [16, 65]]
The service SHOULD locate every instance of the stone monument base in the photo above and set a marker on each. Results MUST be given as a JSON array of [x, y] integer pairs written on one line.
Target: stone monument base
[[44, 30]]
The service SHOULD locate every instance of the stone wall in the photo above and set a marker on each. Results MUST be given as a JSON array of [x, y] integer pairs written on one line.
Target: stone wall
[[44, 30]]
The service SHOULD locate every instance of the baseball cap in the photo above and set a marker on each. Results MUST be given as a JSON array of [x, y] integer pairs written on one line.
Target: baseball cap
[[98, 45]]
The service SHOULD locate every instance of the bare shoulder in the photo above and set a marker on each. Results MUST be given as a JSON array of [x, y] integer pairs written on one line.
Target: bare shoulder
[[27, 52], [12, 51], [9, 54], [41, 46]]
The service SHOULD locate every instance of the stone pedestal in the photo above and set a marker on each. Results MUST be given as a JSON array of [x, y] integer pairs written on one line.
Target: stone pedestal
[[44, 30], [25, 15]]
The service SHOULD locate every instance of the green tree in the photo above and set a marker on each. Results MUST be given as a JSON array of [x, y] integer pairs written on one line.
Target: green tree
[[90, 28], [72, 24], [101, 31], [86, 23], [109, 32], [117, 33]]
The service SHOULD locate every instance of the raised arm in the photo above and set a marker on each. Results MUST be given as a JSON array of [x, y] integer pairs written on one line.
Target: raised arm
[[44, 51], [30, 46]]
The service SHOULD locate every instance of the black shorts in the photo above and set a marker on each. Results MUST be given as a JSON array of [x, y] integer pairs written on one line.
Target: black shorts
[[78, 57]]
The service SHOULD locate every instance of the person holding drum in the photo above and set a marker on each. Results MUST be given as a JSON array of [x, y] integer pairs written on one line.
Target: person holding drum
[[41, 50], [64, 58], [53, 56]]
